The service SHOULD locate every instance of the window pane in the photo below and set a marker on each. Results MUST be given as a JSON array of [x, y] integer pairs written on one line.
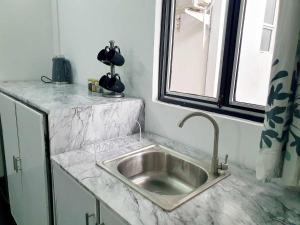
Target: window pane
[[270, 11], [197, 46], [254, 66], [266, 40]]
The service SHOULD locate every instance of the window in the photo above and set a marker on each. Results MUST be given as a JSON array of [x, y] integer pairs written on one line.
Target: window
[[269, 27], [217, 55]]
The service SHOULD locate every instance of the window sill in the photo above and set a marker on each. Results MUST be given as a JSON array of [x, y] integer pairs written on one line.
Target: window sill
[[215, 115]]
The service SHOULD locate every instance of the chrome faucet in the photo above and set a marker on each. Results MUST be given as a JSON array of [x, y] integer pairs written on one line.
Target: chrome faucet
[[215, 166]]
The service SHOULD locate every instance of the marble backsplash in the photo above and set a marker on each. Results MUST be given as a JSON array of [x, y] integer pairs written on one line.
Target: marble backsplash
[[73, 128]]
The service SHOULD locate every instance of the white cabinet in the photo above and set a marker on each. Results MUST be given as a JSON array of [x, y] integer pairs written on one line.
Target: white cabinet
[[1, 156], [30, 125], [24, 148], [73, 204], [23, 131], [109, 217], [12, 155], [76, 206]]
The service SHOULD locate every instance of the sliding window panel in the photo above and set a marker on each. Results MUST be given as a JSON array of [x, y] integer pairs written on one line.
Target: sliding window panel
[[196, 36], [254, 56]]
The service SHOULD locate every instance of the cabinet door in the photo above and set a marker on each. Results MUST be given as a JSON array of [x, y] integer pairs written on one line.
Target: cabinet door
[[73, 204], [11, 151], [31, 134], [2, 164], [109, 217]]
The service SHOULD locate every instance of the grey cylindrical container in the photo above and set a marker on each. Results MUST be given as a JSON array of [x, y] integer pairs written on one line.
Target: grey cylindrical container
[[61, 71]]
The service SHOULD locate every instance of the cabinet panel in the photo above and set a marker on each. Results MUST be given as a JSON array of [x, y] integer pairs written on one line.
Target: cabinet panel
[[11, 150], [109, 217], [1, 153], [72, 202], [30, 125]]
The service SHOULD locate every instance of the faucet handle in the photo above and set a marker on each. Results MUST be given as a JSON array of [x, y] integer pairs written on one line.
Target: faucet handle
[[226, 159], [224, 166]]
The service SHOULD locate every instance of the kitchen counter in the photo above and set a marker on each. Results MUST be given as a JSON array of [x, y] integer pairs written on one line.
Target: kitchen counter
[[237, 200], [52, 97], [77, 117]]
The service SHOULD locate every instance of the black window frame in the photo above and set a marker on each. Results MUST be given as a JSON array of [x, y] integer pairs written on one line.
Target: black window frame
[[223, 104]]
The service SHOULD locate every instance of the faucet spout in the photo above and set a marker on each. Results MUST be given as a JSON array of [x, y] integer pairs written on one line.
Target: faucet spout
[[215, 158]]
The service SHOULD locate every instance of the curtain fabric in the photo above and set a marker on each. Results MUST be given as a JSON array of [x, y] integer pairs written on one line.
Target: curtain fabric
[[279, 155]]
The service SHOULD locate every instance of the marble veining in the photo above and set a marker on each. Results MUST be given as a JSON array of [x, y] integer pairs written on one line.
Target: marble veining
[[73, 128], [77, 117], [52, 97], [238, 200]]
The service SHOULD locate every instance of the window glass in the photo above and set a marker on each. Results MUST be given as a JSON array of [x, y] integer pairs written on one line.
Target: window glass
[[197, 46], [266, 39], [255, 55], [216, 55], [270, 11]]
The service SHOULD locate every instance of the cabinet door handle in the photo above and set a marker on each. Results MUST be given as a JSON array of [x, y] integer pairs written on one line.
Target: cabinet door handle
[[17, 164], [88, 217]]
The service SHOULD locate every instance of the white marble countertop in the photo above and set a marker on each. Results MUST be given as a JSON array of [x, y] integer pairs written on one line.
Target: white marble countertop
[[50, 97], [238, 200], [77, 117]]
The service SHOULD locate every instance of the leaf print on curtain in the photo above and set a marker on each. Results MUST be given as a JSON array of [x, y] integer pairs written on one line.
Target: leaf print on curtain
[[291, 165], [279, 155]]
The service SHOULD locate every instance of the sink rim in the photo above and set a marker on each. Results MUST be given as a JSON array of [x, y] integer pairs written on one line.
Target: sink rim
[[166, 202]]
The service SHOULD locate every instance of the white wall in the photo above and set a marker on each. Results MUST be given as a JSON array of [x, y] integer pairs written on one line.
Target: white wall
[[26, 41], [86, 26]]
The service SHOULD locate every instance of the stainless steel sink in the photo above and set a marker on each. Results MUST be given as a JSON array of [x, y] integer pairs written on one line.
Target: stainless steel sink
[[162, 175]]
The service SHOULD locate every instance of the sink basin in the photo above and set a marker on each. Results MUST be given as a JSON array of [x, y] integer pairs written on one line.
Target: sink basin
[[162, 175]]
